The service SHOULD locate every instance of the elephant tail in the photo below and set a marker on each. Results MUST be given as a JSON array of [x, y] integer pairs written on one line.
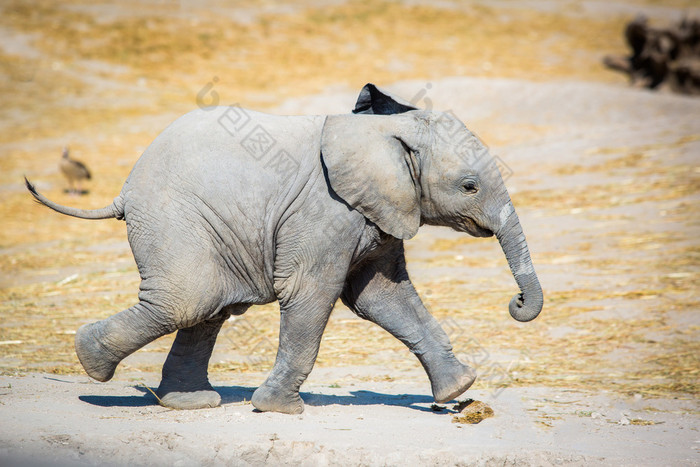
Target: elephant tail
[[113, 211]]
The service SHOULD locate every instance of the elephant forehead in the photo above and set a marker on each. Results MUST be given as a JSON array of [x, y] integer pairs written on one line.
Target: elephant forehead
[[463, 154]]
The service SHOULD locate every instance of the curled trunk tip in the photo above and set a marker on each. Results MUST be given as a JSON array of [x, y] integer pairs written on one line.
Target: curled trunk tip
[[526, 311], [526, 305]]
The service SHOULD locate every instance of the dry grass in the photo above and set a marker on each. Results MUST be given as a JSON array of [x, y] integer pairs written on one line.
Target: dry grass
[[669, 184], [173, 54]]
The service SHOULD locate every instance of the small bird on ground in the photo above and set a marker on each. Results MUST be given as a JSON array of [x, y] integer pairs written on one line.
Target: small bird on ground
[[75, 172]]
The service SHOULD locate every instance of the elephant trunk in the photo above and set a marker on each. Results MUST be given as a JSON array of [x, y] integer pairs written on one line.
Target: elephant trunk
[[526, 305]]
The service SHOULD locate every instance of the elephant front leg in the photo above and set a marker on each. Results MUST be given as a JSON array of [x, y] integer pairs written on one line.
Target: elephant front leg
[[301, 328], [382, 293], [399, 311], [185, 383]]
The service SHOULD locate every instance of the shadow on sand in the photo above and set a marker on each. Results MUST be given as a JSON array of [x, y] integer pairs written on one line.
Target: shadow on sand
[[237, 394]]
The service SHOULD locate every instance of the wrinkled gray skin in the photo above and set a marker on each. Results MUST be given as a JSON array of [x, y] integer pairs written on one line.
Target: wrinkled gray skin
[[215, 229]]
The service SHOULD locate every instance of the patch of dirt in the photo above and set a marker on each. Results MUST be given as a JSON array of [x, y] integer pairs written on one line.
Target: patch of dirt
[[471, 412]]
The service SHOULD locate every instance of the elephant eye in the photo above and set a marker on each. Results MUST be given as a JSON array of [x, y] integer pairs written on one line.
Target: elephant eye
[[469, 186]]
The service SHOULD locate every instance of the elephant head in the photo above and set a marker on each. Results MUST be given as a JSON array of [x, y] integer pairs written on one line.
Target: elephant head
[[402, 167]]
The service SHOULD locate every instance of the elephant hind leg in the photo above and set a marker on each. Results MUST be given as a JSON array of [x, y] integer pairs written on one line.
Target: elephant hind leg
[[102, 345], [179, 290], [185, 383]]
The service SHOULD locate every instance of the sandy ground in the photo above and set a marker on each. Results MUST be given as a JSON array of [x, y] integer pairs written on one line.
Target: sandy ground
[[605, 179], [70, 420]]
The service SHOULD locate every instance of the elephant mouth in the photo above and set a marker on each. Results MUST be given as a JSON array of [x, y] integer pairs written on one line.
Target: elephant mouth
[[474, 229]]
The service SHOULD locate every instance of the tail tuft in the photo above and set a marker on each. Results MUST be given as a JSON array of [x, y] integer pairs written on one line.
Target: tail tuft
[[30, 187], [33, 191]]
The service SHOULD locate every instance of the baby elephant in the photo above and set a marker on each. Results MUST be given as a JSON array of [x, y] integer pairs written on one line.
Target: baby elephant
[[228, 208]]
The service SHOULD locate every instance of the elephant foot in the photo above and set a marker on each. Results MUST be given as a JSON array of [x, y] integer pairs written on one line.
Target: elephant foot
[[187, 393], [98, 362], [269, 399], [203, 399], [448, 386]]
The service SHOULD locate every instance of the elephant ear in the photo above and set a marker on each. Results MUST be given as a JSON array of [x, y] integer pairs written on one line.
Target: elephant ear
[[372, 168], [373, 100]]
